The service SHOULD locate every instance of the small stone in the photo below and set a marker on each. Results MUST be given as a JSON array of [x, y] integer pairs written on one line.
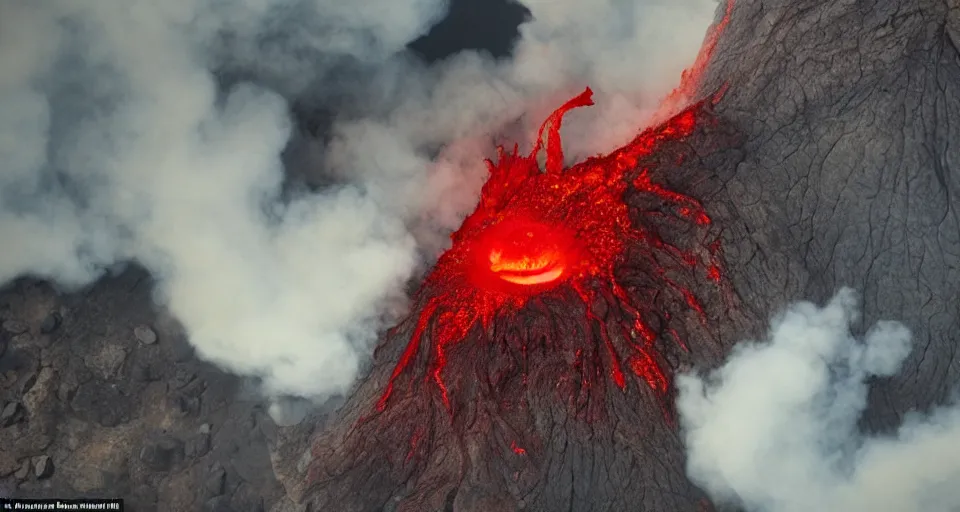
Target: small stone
[[23, 471], [15, 327], [204, 429], [162, 454], [215, 481], [145, 334], [10, 414], [42, 466], [51, 323]]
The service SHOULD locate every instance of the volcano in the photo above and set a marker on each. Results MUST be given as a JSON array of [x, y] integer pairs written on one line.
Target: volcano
[[826, 162], [543, 334], [555, 317], [555, 235]]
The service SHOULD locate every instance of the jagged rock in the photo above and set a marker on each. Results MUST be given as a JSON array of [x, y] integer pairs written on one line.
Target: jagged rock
[[214, 484], [10, 414], [145, 334], [51, 323], [42, 466], [15, 327], [204, 429], [39, 390], [162, 454]]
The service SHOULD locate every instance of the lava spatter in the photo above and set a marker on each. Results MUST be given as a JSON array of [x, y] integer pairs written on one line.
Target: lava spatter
[[563, 232]]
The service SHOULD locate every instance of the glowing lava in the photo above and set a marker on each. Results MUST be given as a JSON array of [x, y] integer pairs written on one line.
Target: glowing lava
[[562, 232], [523, 253]]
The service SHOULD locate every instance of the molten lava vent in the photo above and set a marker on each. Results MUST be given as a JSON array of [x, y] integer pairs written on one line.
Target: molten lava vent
[[560, 234]]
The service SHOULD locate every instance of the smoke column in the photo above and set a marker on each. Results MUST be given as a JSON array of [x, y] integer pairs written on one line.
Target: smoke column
[[775, 428], [120, 142]]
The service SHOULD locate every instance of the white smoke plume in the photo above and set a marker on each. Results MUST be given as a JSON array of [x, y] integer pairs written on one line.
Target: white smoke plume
[[119, 143], [775, 428]]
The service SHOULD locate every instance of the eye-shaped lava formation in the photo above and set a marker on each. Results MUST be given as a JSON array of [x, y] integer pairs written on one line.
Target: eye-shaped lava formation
[[518, 253], [562, 232]]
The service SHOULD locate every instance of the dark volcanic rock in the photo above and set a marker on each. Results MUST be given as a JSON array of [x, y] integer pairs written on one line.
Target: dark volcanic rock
[[51, 323], [162, 454], [11, 413], [145, 334], [42, 467]]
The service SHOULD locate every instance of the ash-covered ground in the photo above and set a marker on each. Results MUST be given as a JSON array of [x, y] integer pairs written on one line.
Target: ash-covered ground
[[102, 397]]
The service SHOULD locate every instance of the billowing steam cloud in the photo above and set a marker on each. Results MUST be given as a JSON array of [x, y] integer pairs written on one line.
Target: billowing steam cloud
[[122, 139], [775, 429]]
